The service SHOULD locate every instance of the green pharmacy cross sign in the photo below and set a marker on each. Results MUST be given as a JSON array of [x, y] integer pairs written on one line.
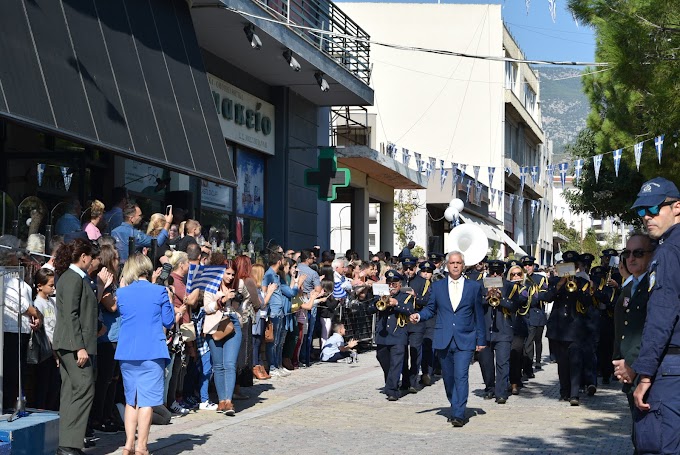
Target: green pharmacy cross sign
[[328, 177]]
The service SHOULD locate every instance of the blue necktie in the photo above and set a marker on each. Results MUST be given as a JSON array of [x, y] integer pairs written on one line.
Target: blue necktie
[[636, 282]]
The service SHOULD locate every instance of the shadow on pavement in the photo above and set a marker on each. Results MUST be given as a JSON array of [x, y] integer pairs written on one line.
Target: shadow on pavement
[[172, 444]]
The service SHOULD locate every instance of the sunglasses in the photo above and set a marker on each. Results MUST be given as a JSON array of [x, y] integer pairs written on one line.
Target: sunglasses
[[516, 274], [636, 253], [654, 210], [409, 268]]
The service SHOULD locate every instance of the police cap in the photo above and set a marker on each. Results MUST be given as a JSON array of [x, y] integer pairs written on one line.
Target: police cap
[[496, 266], [528, 260], [597, 271], [655, 191], [570, 256], [392, 276], [586, 258], [609, 252], [427, 266], [409, 261], [435, 257]]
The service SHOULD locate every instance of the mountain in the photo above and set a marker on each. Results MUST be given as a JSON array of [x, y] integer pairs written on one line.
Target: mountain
[[564, 106]]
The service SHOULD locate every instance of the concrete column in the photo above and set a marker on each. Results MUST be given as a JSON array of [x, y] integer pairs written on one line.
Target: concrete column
[[359, 222], [387, 226]]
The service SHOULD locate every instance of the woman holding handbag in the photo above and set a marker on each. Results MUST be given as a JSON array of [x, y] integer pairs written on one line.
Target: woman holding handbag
[[223, 328]]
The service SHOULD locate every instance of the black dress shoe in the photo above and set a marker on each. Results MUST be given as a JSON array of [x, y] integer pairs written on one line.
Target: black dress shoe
[[501, 400], [456, 422], [392, 398], [574, 401], [426, 380], [488, 395], [591, 389], [69, 451], [412, 390]]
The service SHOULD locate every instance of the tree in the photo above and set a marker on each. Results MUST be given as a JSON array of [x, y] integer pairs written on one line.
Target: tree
[[634, 99], [405, 208], [587, 244]]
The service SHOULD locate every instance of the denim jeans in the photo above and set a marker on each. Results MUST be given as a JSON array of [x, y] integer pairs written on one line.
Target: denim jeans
[[224, 354], [204, 374], [306, 351], [275, 349]]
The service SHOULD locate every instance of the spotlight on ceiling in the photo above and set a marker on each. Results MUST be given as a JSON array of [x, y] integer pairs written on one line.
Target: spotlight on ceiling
[[255, 41], [288, 55], [323, 85]]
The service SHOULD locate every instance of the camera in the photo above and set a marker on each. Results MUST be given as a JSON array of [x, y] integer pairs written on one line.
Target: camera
[[165, 273], [239, 297]]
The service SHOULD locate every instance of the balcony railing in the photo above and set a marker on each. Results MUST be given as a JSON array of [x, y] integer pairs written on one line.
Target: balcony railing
[[351, 50]]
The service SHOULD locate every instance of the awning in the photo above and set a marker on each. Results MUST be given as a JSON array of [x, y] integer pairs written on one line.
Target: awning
[[493, 233], [121, 75], [380, 167], [488, 229]]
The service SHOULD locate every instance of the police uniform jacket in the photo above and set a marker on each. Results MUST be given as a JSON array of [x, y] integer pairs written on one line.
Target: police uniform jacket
[[422, 288], [474, 275], [537, 286], [567, 320], [629, 320], [500, 321], [387, 330], [663, 309]]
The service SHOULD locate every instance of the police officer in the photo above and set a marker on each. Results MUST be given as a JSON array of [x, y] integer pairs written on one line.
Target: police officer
[[591, 318], [657, 428], [537, 286], [500, 306], [390, 333], [430, 360], [420, 294], [566, 327], [615, 275], [605, 299], [409, 264], [520, 332]]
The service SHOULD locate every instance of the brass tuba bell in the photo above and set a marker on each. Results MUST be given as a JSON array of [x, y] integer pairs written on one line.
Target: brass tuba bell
[[382, 303]]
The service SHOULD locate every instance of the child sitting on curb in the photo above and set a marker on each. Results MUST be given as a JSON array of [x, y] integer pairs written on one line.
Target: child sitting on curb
[[335, 348]]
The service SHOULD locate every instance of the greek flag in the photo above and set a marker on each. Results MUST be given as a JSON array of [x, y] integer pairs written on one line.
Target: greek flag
[[658, 144], [492, 171], [617, 160], [405, 156], [597, 162], [578, 167], [205, 277], [638, 154]]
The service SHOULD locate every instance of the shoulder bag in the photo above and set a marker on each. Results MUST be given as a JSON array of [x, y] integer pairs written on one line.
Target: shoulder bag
[[39, 347]]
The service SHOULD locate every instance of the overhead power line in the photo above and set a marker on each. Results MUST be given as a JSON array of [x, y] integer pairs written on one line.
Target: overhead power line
[[401, 46]]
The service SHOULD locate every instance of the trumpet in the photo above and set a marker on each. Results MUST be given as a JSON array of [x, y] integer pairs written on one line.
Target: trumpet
[[494, 300], [571, 285], [382, 303]]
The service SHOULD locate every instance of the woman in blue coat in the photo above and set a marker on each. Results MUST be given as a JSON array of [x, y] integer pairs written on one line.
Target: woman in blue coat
[[145, 309]]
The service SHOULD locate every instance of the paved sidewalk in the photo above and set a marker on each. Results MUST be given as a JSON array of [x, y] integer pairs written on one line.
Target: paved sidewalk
[[339, 409]]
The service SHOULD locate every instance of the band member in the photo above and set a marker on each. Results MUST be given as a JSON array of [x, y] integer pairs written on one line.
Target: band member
[[520, 331], [420, 293], [476, 272], [537, 286], [390, 332], [429, 358], [409, 264], [457, 304], [605, 299], [500, 305], [439, 271], [591, 317], [566, 327]]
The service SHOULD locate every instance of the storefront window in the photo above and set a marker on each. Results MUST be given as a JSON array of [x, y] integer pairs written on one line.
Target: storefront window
[[249, 193]]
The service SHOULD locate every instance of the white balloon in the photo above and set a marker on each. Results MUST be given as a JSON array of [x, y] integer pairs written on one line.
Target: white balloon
[[28, 221], [451, 214], [457, 204]]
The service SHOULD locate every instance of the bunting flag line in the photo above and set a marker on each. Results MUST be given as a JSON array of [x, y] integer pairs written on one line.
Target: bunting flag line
[[534, 175], [493, 195], [492, 171], [617, 160], [578, 167], [511, 199], [64, 175], [428, 170], [468, 185], [391, 150], [433, 165], [520, 203], [478, 193], [550, 172], [597, 162], [441, 164], [419, 162], [658, 144], [475, 171], [444, 174], [41, 173], [533, 208], [522, 178], [638, 154], [552, 6], [563, 172], [405, 156], [527, 3]]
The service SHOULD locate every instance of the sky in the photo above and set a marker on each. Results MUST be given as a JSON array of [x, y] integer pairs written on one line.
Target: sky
[[537, 35]]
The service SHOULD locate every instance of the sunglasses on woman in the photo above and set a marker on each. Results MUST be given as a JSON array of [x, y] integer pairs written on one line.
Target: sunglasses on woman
[[516, 274], [653, 210], [638, 253]]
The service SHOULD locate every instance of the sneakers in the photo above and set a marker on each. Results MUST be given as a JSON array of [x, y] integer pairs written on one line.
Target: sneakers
[[274, 373], [283, 372], [176, 408], [207, 406]]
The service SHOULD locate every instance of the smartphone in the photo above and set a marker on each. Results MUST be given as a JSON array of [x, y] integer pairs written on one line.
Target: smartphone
[[168, 209]]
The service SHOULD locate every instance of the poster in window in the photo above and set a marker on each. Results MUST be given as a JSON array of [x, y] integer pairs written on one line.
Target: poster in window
[[250, 176]]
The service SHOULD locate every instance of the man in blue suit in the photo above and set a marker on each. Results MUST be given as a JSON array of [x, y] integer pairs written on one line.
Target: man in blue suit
[[459, 330]]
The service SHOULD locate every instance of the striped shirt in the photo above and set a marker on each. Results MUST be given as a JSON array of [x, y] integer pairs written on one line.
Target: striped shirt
[[340, 286]]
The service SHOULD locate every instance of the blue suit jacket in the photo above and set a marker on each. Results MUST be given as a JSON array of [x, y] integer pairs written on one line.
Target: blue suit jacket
[[466, 325], [144, 310]]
